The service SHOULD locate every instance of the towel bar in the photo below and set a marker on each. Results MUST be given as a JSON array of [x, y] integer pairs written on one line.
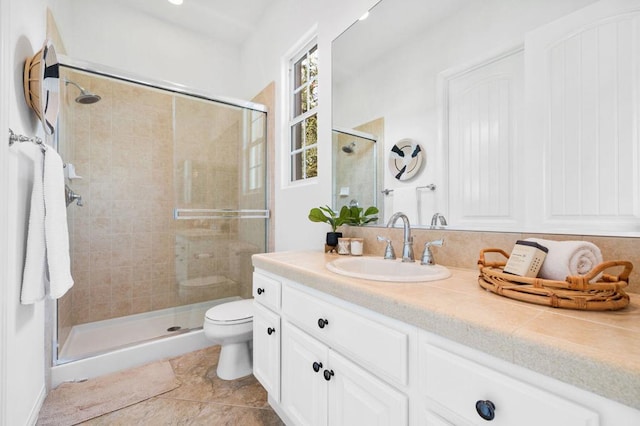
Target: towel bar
[[13, 137]]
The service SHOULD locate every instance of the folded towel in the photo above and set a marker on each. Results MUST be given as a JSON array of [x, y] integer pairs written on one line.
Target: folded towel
[[56, 229], [34, 273], [568, 258]]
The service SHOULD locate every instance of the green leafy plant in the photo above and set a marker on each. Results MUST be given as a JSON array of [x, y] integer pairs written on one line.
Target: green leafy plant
[[327, 215], [358, 218]]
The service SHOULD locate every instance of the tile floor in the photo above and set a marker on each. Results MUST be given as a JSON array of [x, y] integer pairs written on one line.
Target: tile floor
[[202, 399]]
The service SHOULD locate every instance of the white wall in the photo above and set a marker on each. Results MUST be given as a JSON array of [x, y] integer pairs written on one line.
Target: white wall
[[22, 342], [104, 32]]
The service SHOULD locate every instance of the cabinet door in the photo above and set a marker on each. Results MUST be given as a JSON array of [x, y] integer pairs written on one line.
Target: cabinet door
[[266, 349], [358, 398], [455, 386], [431, 419], [304, 391]]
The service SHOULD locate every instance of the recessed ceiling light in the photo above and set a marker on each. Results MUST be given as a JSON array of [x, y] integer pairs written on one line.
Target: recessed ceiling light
[[176, 2], [362, 18]]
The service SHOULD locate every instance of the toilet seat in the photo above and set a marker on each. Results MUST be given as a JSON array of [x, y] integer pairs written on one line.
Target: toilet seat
[[238, 312]]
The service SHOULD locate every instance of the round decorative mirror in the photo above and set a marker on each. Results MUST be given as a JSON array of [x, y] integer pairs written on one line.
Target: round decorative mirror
[[41, 79], [405, 159]]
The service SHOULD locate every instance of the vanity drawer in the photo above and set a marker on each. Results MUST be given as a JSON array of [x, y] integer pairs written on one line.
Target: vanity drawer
[[266, 291], [376, 346], [457, 385]]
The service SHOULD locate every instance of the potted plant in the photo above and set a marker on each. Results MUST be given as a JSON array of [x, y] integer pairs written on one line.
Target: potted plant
[[358, 218], [327, 215]]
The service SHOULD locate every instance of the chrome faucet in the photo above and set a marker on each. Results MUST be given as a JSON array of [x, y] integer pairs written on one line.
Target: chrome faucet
[[389, 253], [435, 218], [427, 255], [407, 248]]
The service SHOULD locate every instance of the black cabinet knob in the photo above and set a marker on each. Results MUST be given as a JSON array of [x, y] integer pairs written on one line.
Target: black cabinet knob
[[486, 409], [322, 322], [317, 366], [270, 331], [328, 374], [260, 290]]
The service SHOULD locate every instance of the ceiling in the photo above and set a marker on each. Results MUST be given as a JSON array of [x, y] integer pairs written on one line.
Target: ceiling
[[230, 21]]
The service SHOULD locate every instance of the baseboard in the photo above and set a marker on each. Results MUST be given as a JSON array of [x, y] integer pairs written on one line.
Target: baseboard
[[35, 411]]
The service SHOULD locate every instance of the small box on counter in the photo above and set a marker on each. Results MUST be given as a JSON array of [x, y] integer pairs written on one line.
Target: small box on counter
[[526, 259]]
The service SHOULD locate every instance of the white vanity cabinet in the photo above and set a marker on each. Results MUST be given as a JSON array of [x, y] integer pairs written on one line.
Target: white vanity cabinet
[[465, 392], [336, 366], [267, 333], [332, 362], [320, 387]]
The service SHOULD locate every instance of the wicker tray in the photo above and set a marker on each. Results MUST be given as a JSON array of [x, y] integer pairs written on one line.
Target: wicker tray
[[576, 292]]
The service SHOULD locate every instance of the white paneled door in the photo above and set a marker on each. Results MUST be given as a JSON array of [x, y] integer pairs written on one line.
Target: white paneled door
[[583, 102], [482, 107]]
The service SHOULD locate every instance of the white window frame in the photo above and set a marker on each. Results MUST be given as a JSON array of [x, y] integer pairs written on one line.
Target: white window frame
[[307, 47]]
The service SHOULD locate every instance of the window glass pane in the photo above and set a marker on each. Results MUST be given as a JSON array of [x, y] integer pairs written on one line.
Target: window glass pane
[[296, 167], [311, 130], [313, 62], [313, 98], [298, 74], [304, 100], [297, 103], [297, 138], [311, 162], [304, 70]]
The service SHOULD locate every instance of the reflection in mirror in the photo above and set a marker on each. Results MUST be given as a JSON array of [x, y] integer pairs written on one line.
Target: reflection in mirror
[[504, 99], [355, 156]]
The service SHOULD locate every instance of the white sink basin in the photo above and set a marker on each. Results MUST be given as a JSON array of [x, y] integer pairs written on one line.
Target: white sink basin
[[378, 269]]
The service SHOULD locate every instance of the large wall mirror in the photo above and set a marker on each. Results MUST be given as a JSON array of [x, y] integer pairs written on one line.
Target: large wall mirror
[[526, 111]]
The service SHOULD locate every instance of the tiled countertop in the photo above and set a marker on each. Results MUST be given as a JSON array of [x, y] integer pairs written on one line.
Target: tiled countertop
[[595, 351]]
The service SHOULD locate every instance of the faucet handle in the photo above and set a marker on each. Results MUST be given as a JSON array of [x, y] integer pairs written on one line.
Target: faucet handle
[[389, 253], [427, 255], [435, 243]]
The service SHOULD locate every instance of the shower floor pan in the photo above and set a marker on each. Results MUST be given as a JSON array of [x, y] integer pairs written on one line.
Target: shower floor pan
[[104, 347], [98, 337]]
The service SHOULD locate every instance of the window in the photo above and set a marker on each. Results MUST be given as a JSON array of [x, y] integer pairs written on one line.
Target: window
[[255, 148], [303, 122]]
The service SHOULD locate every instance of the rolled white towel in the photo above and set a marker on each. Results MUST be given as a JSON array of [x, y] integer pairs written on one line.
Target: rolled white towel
[[568, 258]]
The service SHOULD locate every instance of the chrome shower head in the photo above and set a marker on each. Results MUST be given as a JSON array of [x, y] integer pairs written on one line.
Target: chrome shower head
[[349, 148], [85, 97]]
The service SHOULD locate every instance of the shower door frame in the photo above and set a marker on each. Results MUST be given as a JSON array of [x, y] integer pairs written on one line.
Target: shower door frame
[[175, 88]]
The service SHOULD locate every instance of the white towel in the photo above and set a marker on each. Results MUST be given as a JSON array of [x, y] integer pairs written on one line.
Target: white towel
[[568, 258], [405, 200], [56, 229], [34, 274]]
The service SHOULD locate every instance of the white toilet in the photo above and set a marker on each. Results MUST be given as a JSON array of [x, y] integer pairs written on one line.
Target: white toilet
[[231, 326]]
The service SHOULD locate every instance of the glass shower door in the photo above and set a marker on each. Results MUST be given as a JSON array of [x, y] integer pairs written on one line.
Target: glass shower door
[[220, 205]]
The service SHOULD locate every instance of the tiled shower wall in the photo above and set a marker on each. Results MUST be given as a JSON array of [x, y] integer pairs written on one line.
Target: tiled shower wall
[[124, 240]]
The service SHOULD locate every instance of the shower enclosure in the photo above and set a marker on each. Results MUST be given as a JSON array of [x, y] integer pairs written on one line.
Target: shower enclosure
[[173, 188], [355, 169]]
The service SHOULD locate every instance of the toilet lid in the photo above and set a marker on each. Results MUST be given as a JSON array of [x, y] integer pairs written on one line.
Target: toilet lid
[[238, 311]]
